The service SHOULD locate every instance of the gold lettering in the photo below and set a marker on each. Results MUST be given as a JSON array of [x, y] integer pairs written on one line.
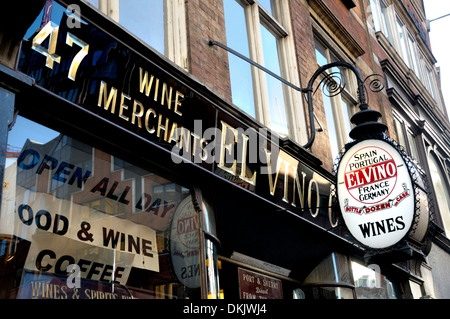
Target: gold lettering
[[144, 84], [48, 31], [330, 212], [300, 189], [155, 96], [229, 147], [311, 182], [136, 114], [107, 99], [150, 129], [49, 290], [163, 127], [123, 106], [70, 40], [186, 137], [178, 95], [173, 130], [243, 175], [167, 96], [272, 183], [286, 181], [203, 144]]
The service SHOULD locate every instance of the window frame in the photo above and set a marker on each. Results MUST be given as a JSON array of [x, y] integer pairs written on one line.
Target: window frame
[[347, 96], [382, 11], [279, 24], [408, 49], [435, 162], [175, 33], [402, 45], [406, 137]]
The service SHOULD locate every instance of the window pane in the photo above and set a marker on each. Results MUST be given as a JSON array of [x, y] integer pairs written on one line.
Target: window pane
[[130, 231], [375, 16], [332, 135], [412, 50], [145, 19], [402, 37], [413, 146], [275, 87], [346, 115], [430, 82], [335, 269], [240, 71], [266, 5], [321, 55], [400, 134], [441, 192], [372, 285], [384, 20], [93, 2]]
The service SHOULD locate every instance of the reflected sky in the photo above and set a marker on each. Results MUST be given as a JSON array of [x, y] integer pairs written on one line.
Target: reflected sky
[[25, 129]]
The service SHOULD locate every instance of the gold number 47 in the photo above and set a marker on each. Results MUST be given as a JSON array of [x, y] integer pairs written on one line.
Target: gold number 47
[[50, 31]]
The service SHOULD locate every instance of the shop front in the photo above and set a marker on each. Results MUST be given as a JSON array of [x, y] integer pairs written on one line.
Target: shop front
[[124, 177]]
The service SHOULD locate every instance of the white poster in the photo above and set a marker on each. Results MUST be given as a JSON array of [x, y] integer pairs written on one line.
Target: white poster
[[53, 254], [43, 212]]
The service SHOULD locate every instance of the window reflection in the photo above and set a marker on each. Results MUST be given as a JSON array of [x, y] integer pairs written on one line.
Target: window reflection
[[145, 19], [370, 284], [240, 70], [266, 4], [130, 231], [441, 191], [274, 86], [330, 279]]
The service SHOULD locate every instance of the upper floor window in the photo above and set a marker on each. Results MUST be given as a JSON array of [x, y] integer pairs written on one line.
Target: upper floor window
[[412, 46], [338, 109], [380, 17], [256, 29], [159, 23], [406, 137], [389, 22], [145, 19], [401, 40]]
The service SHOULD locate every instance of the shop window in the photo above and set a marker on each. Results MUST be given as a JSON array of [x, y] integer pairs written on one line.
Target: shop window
[[159, 23], [339, 108], [256, 29], [128, 231], [371, 284], [331, 279]]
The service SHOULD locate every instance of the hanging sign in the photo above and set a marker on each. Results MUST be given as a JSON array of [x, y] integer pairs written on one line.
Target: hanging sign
[[376, 194]]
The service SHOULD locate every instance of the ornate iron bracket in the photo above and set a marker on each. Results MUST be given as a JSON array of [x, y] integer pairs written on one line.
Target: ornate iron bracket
[[366, 120]]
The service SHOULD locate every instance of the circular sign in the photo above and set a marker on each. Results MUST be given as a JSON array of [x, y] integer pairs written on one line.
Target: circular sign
[[376, 194]]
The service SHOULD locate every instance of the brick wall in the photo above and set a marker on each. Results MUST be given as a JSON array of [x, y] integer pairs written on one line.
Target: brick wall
[[205, 21]]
